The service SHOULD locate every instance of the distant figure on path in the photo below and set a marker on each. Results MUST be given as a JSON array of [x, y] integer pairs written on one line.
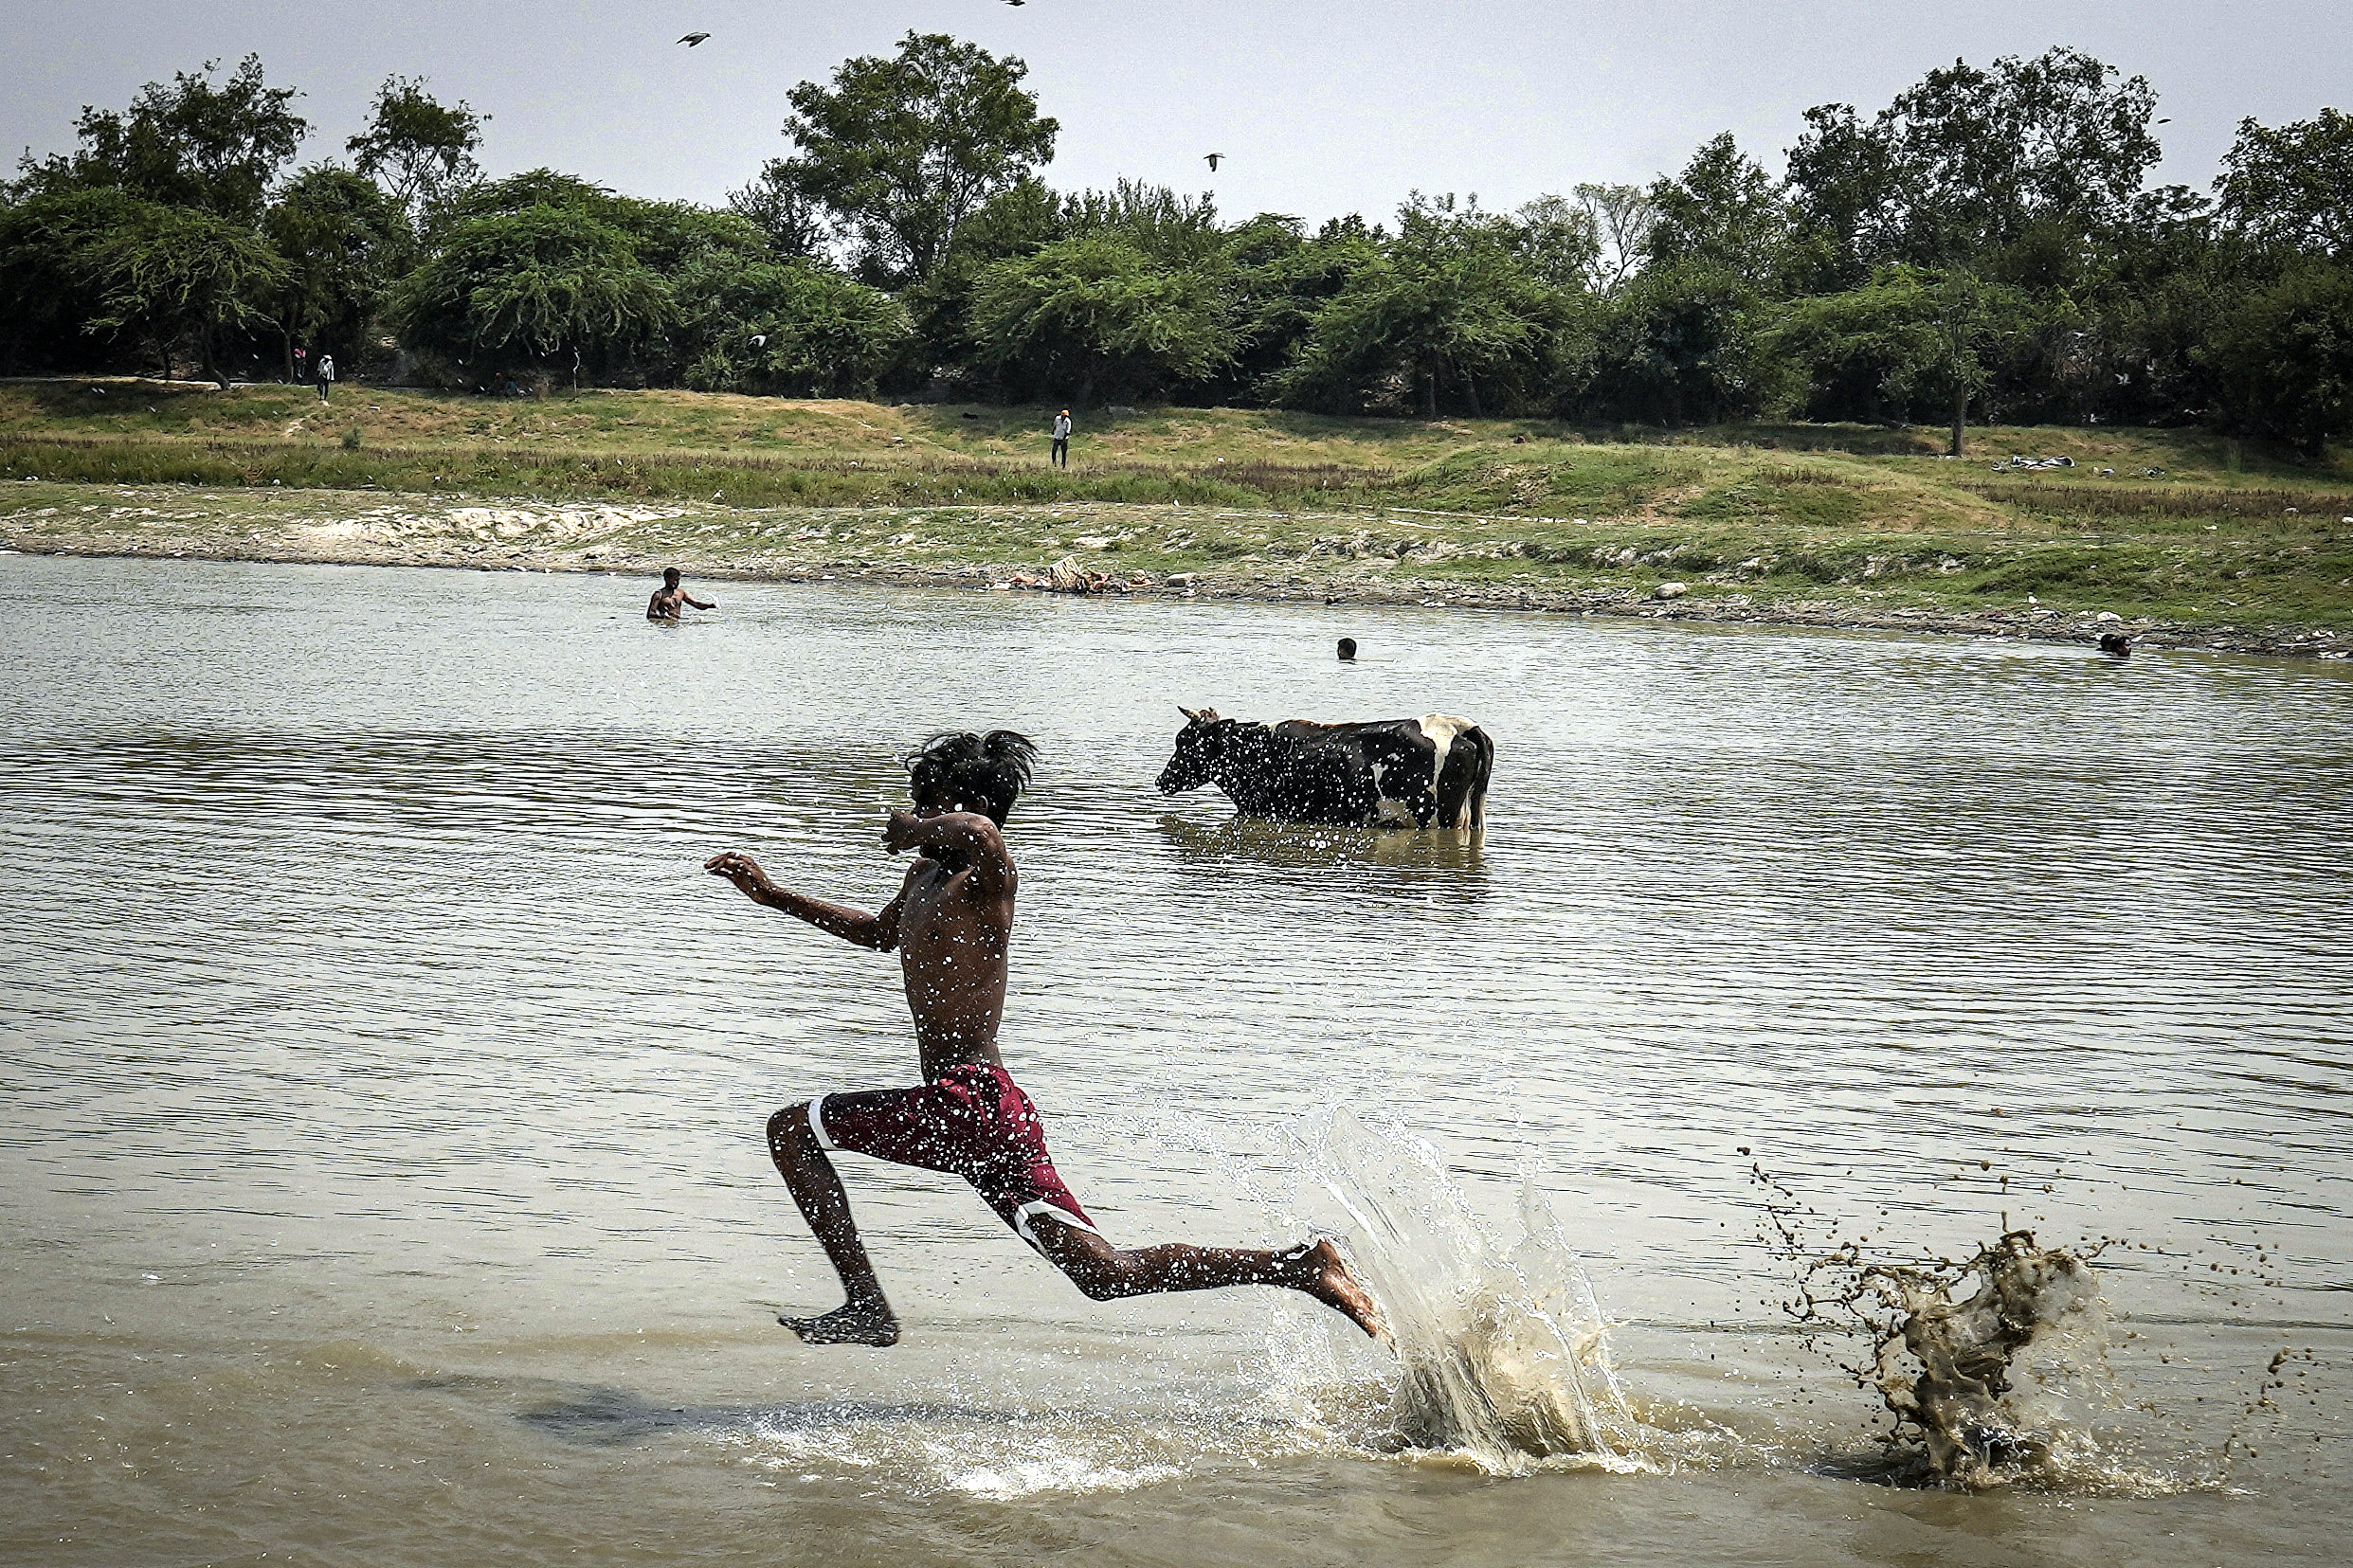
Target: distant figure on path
[[669, 599], [1347, 650], [952, 925], [1059, 455], [326, 375]]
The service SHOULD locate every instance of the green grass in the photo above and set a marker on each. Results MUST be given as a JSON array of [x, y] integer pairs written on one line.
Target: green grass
[[2222, 533]]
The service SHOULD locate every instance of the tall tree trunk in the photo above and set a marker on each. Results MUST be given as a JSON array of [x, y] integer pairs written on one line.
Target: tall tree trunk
[[1429, 394], [1961, 412], [1470, 395]]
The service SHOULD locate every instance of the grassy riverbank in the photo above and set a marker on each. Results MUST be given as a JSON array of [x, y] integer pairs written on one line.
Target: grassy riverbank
[[2191, 535]]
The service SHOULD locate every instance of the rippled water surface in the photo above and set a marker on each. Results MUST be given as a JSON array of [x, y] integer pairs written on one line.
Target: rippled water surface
[[382, 1178]]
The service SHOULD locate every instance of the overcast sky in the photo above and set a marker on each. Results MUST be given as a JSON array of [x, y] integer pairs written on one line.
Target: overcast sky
[[1323, 108]]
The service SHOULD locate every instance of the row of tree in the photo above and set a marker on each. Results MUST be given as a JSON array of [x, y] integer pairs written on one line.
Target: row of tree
[[1985, 246]]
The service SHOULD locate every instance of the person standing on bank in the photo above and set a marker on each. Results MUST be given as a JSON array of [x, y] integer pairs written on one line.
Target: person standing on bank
[[1059, 455], [326, 375]]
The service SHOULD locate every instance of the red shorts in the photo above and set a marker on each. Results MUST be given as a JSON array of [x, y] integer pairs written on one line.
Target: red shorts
[[973, 1120]]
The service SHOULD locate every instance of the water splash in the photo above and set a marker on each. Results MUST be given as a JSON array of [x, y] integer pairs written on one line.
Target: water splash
[[1503, 1355]]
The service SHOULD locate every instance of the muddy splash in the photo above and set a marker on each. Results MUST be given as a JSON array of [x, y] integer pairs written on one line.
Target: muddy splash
[[1987, 1368], [1969, 1362]]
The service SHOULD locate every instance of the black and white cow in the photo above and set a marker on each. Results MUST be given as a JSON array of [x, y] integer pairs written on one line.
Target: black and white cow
[[1386, 773]]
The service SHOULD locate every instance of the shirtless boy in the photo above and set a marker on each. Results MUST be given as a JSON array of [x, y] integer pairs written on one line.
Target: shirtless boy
[[667, 599], [952, 925]]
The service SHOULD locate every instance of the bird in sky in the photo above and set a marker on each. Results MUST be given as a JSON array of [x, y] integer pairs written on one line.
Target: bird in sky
[[1211, 159], [694, 38]]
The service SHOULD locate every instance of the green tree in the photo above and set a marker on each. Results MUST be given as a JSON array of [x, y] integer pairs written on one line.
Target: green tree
[[49, 282], [1723, 211], [2282, 360], [1094, 314], [177, 276], [1451, 306], [340, 236], [548, 289], [1867, 353], [775, 204], [1969, 162], [785, 326], [1620, 218], [1680, 344], [1909, 343], [2291, 187], [901, 151], [215, 147], [419, 150]]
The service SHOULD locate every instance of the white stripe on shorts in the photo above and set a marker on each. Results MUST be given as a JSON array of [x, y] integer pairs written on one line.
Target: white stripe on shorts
[[1032, 1210], [817, 1125]]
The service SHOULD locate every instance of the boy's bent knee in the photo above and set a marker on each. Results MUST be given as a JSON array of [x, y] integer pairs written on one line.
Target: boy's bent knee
[[789, 1136], [1090, 1262]]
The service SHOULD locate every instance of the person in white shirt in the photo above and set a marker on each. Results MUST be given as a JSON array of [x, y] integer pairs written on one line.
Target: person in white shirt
[[326, 375], [1060, 456]]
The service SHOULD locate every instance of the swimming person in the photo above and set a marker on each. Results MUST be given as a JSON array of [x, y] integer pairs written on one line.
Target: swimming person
[[1058, 454], [952, 925], [668, 600]]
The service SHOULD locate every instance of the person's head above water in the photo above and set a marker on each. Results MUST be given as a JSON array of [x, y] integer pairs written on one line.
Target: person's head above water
[[669, 577], [1347, 647], [957, 771]]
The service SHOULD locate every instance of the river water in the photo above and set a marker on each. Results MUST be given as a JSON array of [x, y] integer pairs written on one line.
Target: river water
[[382, 1179]]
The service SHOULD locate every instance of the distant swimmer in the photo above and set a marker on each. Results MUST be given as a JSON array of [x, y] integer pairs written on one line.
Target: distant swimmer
[[952, 925], [670, 599], [1347, 650]]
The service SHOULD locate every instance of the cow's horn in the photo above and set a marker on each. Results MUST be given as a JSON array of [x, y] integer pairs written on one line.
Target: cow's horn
[[1189, 715]]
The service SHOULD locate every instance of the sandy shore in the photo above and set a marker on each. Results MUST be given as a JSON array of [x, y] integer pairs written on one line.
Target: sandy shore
[[637, 539]]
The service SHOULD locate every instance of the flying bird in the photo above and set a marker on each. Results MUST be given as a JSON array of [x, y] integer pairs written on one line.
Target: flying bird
[[694, 38], [1211, 159]]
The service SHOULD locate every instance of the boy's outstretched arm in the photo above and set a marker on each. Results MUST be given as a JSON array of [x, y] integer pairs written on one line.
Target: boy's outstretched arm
[[879, 930]]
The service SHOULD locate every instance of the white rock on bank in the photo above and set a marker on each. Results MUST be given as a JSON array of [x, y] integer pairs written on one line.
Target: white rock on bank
[[1671, 590]]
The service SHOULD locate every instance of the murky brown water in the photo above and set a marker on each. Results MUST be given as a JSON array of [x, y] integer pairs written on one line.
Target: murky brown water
[[382, 1182]]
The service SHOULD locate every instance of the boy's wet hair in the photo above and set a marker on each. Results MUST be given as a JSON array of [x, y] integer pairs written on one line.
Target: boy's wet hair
[[991, 769]]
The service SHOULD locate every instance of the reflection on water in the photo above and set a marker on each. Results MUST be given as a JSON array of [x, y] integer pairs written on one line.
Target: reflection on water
[[386, 1080], [1456, 857]]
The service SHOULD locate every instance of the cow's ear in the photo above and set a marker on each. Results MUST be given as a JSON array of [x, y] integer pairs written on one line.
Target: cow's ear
[[1209, 715], [1190, 717]]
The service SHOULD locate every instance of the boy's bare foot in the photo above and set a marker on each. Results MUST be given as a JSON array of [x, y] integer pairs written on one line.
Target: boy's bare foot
[[1321, 1273], [847, 1325]]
